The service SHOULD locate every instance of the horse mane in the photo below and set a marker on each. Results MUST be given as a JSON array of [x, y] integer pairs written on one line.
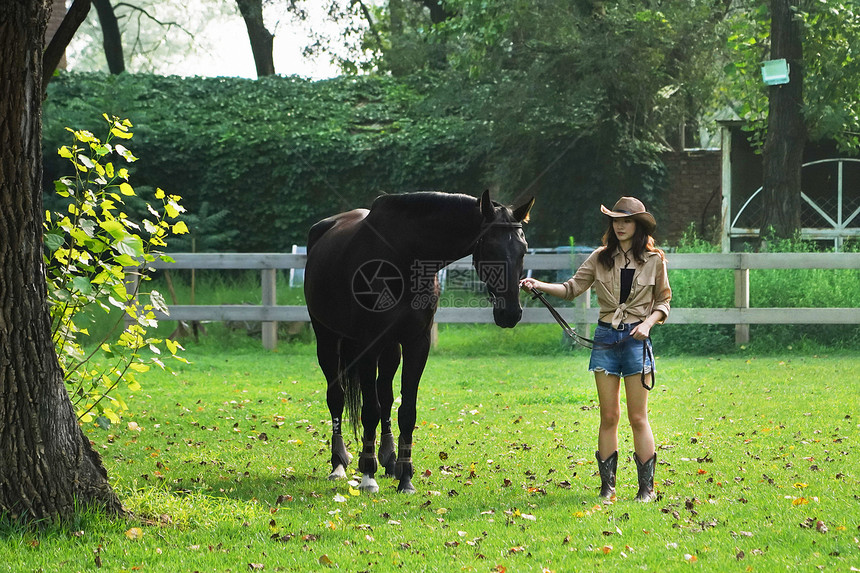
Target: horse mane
[[423, 202]]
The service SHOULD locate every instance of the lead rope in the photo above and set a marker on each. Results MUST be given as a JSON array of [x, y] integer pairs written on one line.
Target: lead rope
[[590, 343]]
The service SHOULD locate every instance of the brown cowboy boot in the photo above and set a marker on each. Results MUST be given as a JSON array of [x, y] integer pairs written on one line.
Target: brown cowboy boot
[[646, 478], [607, 474]]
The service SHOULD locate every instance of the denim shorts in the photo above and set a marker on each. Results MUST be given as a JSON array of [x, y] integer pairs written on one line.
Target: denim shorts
[[624, 356]]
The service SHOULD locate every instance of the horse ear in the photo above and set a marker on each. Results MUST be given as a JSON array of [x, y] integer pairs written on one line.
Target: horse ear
[[521, 213], [486, 206]]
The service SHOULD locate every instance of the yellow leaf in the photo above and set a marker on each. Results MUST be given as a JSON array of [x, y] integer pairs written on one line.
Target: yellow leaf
[[126, 189], [353, 491], [159, 193], [111, 415], [799, 501], [121, 134], [134, 533], [180, 228]]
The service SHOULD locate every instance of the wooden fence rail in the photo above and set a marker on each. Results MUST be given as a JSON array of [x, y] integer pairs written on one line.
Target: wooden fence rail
[[741, 315]]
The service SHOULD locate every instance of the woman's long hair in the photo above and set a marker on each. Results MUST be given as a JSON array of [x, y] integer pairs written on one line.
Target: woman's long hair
[[642, 242]]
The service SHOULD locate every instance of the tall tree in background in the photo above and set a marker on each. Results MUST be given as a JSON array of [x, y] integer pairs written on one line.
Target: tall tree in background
[[786, 131], [262, 41], [821, 41], [111, 36], [47, 466], [139, 36]]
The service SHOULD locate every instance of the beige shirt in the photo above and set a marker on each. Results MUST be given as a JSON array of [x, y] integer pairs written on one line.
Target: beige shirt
[[650, 290]]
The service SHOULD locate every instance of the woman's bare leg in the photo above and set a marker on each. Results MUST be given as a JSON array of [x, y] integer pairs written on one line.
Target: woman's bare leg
[[637, 413], [609, 397]]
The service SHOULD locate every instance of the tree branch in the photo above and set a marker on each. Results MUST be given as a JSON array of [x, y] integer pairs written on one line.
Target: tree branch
[[57, 47], [167, 25], [366, 12]]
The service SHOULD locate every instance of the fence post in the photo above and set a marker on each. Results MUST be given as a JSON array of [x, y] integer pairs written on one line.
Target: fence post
[[270, 329], [742, 297]]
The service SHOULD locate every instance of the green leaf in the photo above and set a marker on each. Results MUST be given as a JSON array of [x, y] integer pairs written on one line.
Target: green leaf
[[54, 241], [83, 285], [130, 245], [114, 227]]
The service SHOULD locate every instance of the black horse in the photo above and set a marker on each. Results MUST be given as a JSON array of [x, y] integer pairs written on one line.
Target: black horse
[[371, 291]]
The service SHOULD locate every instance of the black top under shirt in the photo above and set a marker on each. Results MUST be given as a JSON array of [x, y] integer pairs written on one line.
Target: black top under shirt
[[626, 280], [626, 284]]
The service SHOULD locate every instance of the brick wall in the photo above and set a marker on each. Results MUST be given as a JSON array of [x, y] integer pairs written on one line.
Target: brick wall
[[693, 195]]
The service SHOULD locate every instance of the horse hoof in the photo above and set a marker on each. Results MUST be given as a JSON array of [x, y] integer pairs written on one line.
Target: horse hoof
[[337, 473], [406, 488], [368, 484]]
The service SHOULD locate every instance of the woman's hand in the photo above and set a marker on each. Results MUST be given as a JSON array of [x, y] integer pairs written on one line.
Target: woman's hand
[[529, 284], [641, 331]]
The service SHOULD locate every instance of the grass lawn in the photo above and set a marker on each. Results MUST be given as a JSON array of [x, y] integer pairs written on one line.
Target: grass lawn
[[224, 465]]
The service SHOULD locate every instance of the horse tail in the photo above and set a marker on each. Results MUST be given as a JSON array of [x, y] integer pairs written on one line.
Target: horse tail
[[350, 382]]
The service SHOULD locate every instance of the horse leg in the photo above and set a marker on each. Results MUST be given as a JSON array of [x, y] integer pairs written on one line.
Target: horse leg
[[389, 360], [367, 463], [340, 457], [328, 357], [414, 361]]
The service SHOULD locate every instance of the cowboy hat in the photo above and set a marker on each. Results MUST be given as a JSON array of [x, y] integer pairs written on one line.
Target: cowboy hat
[[633, 208]]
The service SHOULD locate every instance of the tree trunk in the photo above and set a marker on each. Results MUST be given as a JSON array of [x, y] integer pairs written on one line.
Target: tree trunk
[[262, 42], [438, 13], [111, 37], [47, 466], [786, 132]]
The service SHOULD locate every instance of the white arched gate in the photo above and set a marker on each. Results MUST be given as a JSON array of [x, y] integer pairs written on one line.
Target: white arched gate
[[831, 214]]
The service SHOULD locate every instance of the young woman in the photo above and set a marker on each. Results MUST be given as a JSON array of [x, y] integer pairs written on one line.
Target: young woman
[[629, 276]]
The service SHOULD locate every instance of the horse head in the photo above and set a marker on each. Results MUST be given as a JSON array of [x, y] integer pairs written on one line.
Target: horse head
[[498, 257]]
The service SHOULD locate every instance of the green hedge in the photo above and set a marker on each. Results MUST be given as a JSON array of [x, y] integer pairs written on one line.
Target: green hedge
[[280, 153]]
